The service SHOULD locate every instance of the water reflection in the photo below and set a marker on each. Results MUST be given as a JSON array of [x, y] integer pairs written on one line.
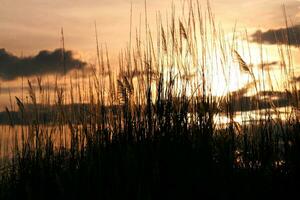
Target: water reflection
[[13, 137], [18, 135]]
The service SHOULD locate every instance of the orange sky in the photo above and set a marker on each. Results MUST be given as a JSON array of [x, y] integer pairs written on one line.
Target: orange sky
[[29, 26], [26, 27]]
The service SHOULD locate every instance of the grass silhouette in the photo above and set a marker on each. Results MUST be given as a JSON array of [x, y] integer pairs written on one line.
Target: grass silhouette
[[150, 132]]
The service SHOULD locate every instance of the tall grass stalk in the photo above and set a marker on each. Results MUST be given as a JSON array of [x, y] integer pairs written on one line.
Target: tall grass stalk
[[152, 128]]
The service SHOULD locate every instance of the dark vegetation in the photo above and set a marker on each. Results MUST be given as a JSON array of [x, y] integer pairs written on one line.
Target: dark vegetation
[[145, 136]]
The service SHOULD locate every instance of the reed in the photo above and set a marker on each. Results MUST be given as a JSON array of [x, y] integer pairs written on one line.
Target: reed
[[152, 128]]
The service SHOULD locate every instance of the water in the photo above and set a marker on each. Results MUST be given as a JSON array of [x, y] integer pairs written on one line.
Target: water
[[15, 136]]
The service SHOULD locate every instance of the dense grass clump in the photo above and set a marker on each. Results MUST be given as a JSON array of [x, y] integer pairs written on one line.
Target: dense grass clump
[[170, 164], [153, 130]]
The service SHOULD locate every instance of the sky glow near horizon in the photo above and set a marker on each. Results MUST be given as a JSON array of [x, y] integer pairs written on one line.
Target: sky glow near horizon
[[27, 27]]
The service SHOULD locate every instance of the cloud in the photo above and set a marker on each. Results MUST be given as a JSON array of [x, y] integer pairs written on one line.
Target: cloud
[[268, 65], [243, 91], [26, 88], [263, 100], [139, 73], [289, 36], [295, 79], [45, 62], [241, 102]]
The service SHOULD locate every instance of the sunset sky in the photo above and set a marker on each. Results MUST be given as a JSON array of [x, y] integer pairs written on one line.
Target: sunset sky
[[32, 25], [28, 27]]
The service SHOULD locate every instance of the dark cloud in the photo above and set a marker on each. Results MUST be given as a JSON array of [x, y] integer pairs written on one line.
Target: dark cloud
[[25, 89], [241, 102], [263, 100], [243, 91], [295, 79], [45, 62], [138, 73], [268, 65], [289, 36]]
